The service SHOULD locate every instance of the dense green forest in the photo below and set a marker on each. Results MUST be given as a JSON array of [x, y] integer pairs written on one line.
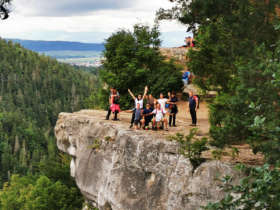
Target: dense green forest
[[34, 89]]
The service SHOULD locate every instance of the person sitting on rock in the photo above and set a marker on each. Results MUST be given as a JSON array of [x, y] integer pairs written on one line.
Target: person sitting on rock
[[147, 116], [138, 100], [159, 117]]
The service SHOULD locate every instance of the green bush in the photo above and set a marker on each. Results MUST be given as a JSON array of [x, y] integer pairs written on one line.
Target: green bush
[[191, 146], [259, 190]]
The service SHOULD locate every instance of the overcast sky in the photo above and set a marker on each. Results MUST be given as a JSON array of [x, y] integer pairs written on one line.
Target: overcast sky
[[85, 20]]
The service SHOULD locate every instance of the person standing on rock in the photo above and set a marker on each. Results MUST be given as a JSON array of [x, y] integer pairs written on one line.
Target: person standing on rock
[[193, 106], [110, 100], [138, 116], [186, 78], [138, 100], [115, 105], [173, 109]]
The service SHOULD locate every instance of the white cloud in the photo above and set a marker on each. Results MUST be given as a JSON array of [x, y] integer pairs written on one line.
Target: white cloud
[[27, 21]]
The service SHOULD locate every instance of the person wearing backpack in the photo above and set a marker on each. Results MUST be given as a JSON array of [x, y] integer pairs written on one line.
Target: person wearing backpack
[[115, 106], [110, 102], [193, 106], [186, 77]]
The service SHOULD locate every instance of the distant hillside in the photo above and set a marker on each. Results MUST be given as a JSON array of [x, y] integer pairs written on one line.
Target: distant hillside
[[43, 46], [34, 89]]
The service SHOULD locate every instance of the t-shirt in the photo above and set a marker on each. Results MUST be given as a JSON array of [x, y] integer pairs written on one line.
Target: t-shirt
[[162, 103], [173, 106], [148, 111], [139, 102], [192, 102], [159, 114], [186, 75]]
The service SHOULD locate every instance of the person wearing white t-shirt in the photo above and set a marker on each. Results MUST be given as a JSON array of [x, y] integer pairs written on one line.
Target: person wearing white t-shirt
[[159, 117], [138, 100], [162, 101]]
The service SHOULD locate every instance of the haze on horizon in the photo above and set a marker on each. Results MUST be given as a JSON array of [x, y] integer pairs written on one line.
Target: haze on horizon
[[90, 21]]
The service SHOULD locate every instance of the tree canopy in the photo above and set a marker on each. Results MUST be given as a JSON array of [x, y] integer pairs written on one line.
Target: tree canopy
[[133, 60]]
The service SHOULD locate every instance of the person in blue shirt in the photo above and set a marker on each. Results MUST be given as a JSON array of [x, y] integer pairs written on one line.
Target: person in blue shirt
[[186, 77], [147, 116]]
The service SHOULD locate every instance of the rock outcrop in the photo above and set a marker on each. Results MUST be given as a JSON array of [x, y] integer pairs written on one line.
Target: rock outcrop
[[179, 54], [121, 169]]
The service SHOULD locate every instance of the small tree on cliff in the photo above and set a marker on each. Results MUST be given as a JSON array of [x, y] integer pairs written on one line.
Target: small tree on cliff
[[133, 60]]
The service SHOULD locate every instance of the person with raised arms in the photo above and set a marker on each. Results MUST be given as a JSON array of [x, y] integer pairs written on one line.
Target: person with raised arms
[[138, 100]]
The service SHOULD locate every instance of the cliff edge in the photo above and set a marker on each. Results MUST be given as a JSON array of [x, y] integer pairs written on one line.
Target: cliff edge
[[121, 169]]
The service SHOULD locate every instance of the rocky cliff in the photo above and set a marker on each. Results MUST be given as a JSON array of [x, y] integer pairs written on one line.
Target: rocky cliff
[[121, 169], [179, 54]]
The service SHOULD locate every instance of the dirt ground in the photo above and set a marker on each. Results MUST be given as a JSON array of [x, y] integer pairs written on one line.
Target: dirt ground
[[183, 121]]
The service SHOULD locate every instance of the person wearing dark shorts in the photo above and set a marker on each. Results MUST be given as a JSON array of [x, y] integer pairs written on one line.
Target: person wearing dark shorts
[[138, 100], [193, 105], [147, 116]]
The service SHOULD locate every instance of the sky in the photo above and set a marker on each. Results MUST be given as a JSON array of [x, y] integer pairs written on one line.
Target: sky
[[86, 20]]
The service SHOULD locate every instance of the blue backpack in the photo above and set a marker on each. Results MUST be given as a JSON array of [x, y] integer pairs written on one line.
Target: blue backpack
[[186, 75]]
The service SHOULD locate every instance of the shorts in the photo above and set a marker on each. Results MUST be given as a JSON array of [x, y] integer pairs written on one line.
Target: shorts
[[159, 119], [136, 122]]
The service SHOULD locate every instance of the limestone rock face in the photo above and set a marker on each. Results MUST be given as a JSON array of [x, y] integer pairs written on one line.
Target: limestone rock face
[[121, 169]]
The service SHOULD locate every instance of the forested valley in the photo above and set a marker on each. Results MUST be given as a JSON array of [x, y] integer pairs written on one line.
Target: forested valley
[[34, 89]]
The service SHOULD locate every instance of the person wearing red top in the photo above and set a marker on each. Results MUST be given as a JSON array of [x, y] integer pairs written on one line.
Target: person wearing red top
[[115, 107]]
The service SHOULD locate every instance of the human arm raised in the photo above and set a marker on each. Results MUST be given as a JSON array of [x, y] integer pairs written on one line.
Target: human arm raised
[[145, 91], [129, 91]]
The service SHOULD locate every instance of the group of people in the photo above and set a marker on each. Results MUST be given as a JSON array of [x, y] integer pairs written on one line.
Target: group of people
[[155, 111]]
